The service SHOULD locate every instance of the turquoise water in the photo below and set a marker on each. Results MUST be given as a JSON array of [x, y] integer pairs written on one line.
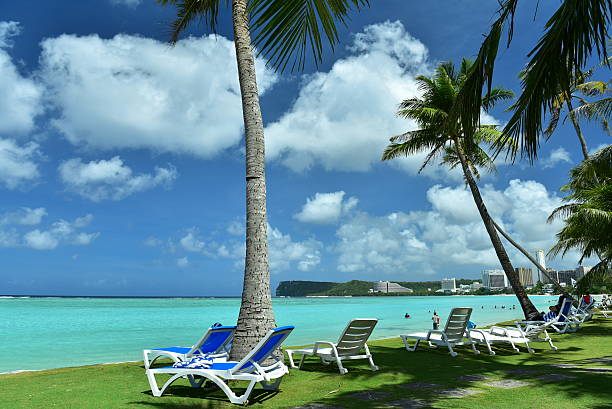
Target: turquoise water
[[42, 333]]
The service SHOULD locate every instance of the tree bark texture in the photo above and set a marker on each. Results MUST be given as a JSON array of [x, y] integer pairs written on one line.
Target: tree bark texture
[[529, 310], [256, 316], [583, 144]]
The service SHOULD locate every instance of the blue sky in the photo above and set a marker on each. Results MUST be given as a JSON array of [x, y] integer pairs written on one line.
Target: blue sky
[[121, 160]]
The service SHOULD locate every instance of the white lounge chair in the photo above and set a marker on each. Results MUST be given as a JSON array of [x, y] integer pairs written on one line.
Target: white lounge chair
[[562, 323], [454, 333], [214, 343], [349, 346], [584, 312], [251, 368], [512, 336]]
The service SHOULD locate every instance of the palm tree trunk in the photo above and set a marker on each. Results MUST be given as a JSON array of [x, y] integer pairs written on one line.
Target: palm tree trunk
[[583, 144], [256, 316], [529, 256], [529, 310]]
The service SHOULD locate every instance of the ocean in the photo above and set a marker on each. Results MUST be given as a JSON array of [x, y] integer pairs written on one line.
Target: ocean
[[54, 332]]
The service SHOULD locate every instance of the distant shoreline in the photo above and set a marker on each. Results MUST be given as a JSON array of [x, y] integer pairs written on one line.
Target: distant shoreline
[[208, 297]]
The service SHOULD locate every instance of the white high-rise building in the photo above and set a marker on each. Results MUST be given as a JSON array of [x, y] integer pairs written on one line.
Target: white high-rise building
[[448, 284], [494, 279], [537, 274]]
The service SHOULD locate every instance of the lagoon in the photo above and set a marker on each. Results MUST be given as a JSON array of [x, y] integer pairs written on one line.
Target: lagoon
[[43, 333]]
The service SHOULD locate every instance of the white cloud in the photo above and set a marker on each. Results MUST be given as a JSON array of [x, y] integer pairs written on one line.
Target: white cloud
[[129, 3], [325, 208], [183, 99], [556, 156], [59, 232], [24, 216], [153, 242], [20, 97], [110, 179], [343, 119], [41, 240], [450, 236], [182, 262], [284, 253], [17, 163]]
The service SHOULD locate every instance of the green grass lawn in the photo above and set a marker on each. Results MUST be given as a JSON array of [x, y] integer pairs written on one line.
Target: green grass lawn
[[125, 385]]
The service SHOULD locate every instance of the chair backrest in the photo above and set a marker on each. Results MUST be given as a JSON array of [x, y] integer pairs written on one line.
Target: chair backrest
[[355, 336], [264, 348], [215, 340], [563, 315], [457, 323]]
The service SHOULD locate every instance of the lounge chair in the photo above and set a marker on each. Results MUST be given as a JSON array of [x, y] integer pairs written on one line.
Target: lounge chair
[[349, 346], [454, 333], [251, 368], [561, 323], [512, 336], [584, 312], [215, 343]]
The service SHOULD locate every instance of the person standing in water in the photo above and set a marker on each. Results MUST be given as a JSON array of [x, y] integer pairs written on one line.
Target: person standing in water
[[436, 321]]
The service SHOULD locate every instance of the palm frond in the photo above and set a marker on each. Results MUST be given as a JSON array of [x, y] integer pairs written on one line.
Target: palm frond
[[207, 11], [573, 33], [286, 30]]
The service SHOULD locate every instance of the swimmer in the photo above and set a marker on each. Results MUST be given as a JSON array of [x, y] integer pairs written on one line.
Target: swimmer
[[407, 315]]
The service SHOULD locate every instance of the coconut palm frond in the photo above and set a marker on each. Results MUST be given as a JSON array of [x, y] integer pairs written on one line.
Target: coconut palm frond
[[284, 31], [573, 33], [496, 95], [601, 273], [206, 11]]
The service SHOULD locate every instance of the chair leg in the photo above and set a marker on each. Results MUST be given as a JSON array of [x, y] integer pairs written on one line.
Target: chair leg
[[271, 386], [369, 355], [408, 347], [290, 355], [453, 353], [342, 369]]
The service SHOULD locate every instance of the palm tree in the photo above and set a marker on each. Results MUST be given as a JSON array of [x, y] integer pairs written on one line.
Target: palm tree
[[438, 136], [578, 84], [588, 216], [576, 30], [284, 30]]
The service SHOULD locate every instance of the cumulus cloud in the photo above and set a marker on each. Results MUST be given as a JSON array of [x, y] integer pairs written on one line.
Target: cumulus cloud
[[449, 236], [60, 232], [20, 96], [342, 119], [325, 208], [110, 179], [556, 156], [18, 163], [284, 252], [24, 216], [182, 99]]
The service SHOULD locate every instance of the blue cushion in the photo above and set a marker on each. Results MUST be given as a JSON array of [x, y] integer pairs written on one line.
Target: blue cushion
[[178, 350]]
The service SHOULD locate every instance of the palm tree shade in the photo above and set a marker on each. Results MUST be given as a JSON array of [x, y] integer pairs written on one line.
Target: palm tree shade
[[440, 136], [284, 30]]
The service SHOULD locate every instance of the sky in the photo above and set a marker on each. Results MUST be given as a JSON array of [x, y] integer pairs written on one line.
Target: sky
[[122, 158]]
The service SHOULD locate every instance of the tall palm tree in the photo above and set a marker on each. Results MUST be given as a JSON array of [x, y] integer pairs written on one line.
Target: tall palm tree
[[284, 30], [588, 216], [437, 134], [576, 31]]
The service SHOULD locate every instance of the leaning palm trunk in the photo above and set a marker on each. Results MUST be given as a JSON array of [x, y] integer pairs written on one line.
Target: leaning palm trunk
[[583, 144], [256, 316], [529, 309], [529, 256]]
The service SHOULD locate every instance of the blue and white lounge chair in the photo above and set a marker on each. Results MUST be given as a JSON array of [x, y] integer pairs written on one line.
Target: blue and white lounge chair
[[251, 368], [214, 343], [584, 312]]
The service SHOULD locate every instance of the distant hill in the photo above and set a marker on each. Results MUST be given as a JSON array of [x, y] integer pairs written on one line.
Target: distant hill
[[353, 287]]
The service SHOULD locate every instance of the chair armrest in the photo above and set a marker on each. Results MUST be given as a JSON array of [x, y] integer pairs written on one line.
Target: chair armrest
[[330, 344]]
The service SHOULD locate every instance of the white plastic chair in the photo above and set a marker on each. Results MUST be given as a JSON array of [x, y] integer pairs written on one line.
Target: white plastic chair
[[349, 346]]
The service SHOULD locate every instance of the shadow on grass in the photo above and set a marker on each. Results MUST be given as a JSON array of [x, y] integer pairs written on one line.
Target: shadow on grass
[[401, 370]]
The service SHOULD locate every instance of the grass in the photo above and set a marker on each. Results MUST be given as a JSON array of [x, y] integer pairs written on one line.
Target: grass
[[125, 385]]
